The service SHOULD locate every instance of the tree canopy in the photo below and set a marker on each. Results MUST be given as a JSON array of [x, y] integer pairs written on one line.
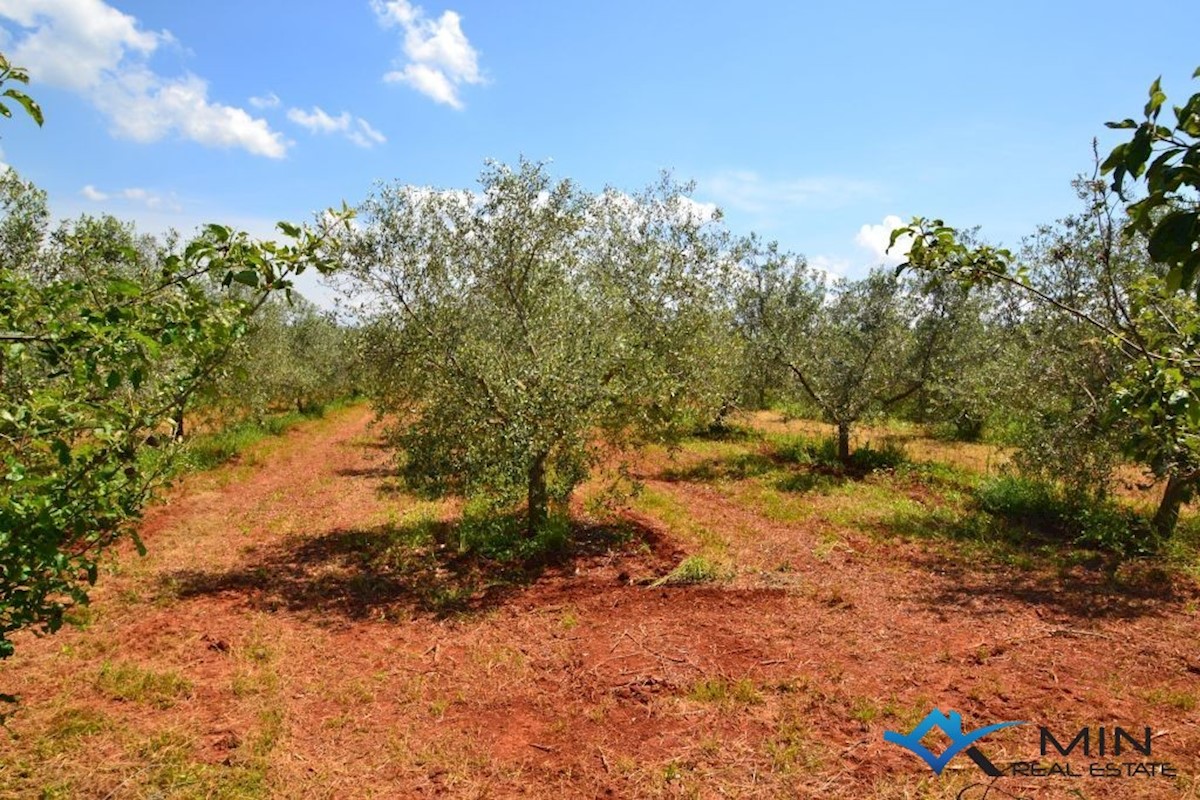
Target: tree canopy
[[513, 328]]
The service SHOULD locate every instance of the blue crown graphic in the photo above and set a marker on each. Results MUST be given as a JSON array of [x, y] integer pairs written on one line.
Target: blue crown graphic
[[951, 725]]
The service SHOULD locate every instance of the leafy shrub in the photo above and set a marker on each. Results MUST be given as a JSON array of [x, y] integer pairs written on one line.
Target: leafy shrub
[[1046, 509]]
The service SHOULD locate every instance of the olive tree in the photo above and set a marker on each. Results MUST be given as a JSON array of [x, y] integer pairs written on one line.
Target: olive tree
[[859, 348], [512, 329], [774, 298], [24, 220]]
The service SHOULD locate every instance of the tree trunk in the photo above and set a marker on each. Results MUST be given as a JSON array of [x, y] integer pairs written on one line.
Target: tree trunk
[[537, 496], [178, 434], [1178, 491], [843, 443]]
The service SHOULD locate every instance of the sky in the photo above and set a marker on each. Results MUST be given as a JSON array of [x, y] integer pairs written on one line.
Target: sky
[[819, 125]]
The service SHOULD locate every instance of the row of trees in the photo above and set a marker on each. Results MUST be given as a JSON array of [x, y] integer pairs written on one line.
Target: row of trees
[[511, 333], [514, 329]]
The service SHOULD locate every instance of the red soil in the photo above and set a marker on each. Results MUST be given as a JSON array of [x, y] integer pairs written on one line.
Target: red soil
[[587, 682]]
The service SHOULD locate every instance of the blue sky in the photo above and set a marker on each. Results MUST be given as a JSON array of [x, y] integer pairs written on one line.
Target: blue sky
[[809, 123]]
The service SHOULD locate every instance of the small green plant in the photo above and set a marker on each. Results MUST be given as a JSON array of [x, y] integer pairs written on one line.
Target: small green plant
[[710, 690], [693, 569], [864, 710]]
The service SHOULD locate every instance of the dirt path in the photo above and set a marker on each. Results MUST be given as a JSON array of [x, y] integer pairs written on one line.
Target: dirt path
[[256, 653]]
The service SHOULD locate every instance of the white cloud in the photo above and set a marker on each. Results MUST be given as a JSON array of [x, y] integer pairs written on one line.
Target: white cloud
[[73, 43], [154, 201], [91, 48], [440, 59], [749, 192], [876, 238], [364, 135], [268, 100], [319, 121]]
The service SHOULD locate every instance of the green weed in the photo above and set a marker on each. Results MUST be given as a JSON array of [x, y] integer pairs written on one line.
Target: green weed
[[693, 569]]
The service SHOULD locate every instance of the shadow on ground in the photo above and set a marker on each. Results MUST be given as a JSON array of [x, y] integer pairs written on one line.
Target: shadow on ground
[[797, 465], [1069, 592], [421, 567]]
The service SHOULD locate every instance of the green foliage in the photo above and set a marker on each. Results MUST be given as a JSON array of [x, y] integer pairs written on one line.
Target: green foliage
[[11, 74], [773, 299], [861, 347], [293, 356], [693, 569], [510, 330], [1112, 367], [1047, 510], [502, 537], [24, 219], [101, 340], [1168, 160]]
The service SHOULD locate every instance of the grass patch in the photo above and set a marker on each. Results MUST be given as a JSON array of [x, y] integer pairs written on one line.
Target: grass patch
[[807, 451], [129, 682], [675, 516], [726, 431], [1182, 550], [792, 749], [208, 450], [171, 771], [503, 537], [693, 569], [721, 691], [66, 728], [1171, 698]]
